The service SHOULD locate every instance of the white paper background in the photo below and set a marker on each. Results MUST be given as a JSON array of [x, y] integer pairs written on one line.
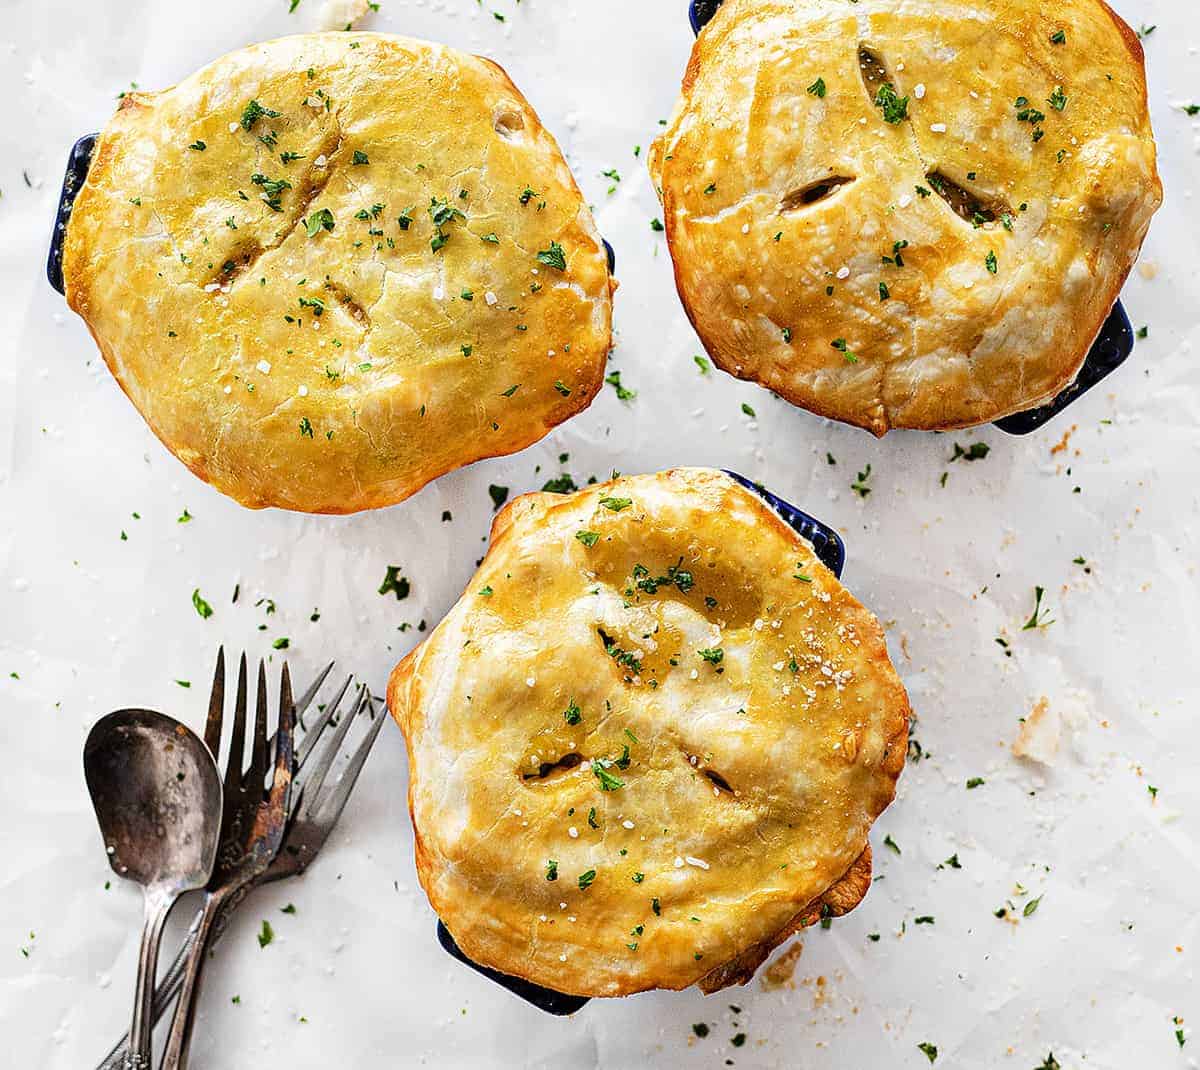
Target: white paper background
[[89, 623]]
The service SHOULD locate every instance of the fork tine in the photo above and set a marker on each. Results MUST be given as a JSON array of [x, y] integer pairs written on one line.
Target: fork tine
[[257, 771], [281, 780], [237, 741], [314, 782], [314, 733], [307, 698], [216, 707], [331, 809]]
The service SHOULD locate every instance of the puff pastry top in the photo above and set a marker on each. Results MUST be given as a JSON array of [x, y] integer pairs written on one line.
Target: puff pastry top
[[331, 267], [907, 215], [649, 741]]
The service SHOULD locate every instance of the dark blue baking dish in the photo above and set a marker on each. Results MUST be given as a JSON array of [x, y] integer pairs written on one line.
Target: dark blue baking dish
[[831, 551], [1111, 349], [77, 168]]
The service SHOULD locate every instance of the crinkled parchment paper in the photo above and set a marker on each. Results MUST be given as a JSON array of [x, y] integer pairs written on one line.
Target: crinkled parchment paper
[[89, 621]]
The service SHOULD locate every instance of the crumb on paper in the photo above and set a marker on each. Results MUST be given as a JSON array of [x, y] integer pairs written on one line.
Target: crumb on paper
[[1061, 445], [1040, 734], [1148, 269], [341, 14], [779, 973]]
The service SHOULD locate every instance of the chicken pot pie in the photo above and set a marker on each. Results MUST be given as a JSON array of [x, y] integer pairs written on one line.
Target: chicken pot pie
[[648, 743], [329, 268], [913, 215]]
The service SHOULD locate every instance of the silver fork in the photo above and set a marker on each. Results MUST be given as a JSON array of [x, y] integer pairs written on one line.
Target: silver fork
[[252, 826], [314, 813]]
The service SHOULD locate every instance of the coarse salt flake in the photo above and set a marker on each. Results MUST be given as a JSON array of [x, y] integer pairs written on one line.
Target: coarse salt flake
[[264, 367]]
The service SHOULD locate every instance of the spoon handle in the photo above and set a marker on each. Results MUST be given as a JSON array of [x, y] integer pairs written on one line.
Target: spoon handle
[[172, 979], [164, 995], [139, 1055]]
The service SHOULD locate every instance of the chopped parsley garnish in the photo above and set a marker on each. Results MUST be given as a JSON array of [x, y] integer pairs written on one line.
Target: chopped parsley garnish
[[552, 870], [553, 257], [306, 428], [1032, 906], [841, 346], [198, 145], [1058, 99], [319, 221], [202, 607], [586, 878], [701, 363], [975, 782], [394, 583], [266, 934], [859, 486], [977, 451], [991, 262], [499, 496], [893, 106], [817, 89], [891, 844], [1040, 617], [623, 392], [255, 111], [930, 1050], [359, 158], [608, 781], [1058, 37], [616, 504], [443, 213], [572, 714], [713, 655], [272, 189], [588, 538]]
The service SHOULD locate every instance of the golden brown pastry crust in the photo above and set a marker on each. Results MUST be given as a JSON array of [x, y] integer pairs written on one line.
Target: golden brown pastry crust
[[741, 807], [333, 370], [785, 188]]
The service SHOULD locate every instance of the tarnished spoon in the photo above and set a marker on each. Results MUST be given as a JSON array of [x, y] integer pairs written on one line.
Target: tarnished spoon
[[157, 796]]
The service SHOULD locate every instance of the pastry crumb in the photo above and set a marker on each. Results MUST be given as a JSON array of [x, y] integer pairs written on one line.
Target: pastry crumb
[[779, 973], [341, 14], [1040, 734]]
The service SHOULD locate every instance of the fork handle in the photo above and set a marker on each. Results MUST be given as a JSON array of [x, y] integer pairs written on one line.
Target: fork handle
[[179, 1041], [171, 981]]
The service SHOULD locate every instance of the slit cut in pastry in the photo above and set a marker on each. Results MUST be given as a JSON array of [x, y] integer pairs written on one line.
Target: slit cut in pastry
[[330, 268], [907, 215], [649, 742]]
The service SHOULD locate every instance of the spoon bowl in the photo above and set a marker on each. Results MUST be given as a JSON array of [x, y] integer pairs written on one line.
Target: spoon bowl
[[157, 795]]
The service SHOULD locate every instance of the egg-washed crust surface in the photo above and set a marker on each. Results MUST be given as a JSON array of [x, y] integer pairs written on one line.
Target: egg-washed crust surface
[[936, 258], [378, 271], [649, 741]]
